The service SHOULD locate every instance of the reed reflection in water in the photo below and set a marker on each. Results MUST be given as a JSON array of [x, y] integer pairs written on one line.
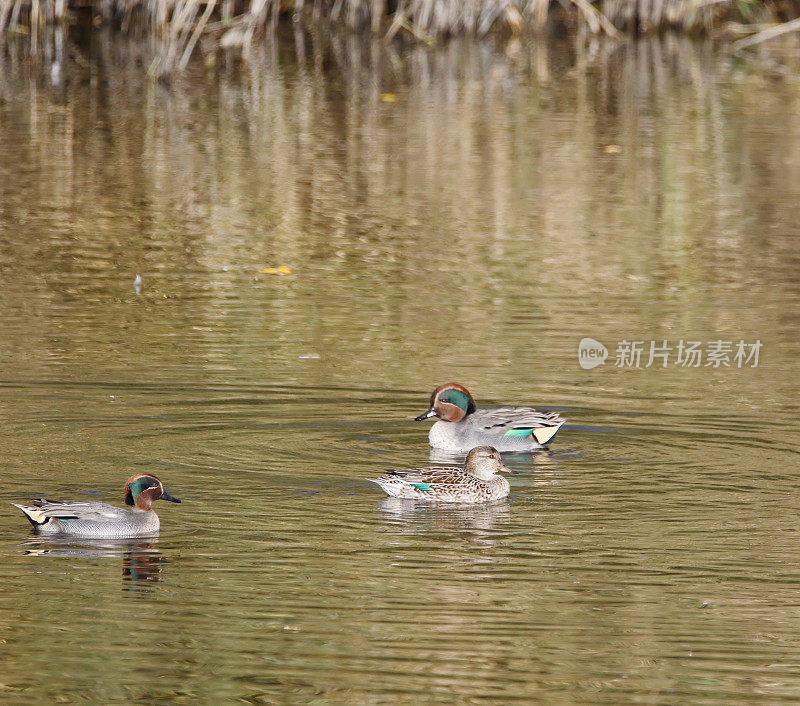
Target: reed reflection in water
[[538, 189]]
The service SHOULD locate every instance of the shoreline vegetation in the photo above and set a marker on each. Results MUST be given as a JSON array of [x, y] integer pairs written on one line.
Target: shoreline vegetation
[[183, 27]]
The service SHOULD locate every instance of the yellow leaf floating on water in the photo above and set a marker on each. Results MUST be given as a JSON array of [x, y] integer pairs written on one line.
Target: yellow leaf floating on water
[[612, 149], [388, 97], [282, 270]]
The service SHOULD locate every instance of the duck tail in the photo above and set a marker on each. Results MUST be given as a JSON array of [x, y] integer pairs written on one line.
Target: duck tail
[[544, 435], [35, 515]]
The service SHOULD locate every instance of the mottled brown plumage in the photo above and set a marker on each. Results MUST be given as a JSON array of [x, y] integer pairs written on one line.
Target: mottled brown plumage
[[477, 482]]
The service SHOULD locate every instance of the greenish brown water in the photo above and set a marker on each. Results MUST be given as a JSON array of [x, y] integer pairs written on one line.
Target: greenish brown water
[[467, 214]]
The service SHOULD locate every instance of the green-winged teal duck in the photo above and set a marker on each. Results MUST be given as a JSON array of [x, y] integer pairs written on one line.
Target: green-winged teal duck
[[462, 426], [93, 520], [477, 482]]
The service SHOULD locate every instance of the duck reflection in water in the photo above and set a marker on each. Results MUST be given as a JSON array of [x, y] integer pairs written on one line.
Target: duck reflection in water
[[414, 516], [142, 562]]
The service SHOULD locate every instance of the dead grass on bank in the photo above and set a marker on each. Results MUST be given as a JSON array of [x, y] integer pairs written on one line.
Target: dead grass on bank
[[180, 26]]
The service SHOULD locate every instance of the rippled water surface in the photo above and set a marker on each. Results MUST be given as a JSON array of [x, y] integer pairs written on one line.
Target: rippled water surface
[[471, 214]]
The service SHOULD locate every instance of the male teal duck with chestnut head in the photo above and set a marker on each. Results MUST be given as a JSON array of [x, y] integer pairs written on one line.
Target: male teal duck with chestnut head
[[94, 520], [462, 426], [477, 482]]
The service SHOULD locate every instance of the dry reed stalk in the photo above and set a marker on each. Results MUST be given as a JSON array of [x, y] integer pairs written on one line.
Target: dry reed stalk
[[12, 25], [767, 34], [198, 30], [5, 12], [539, 10], [596, 20]]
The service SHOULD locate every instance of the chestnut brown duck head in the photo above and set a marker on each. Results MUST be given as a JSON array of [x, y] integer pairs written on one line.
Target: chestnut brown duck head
[[143, 489], [450, 402]]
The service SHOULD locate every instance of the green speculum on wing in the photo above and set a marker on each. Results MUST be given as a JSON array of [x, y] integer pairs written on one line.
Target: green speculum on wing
[[522, 433]]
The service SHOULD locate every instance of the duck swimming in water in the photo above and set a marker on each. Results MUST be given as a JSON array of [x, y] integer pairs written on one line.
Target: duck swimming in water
[[462, 426], [94, 520]]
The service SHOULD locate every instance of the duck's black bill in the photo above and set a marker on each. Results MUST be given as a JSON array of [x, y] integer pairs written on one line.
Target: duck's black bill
[[430, 413], [169, 498]]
